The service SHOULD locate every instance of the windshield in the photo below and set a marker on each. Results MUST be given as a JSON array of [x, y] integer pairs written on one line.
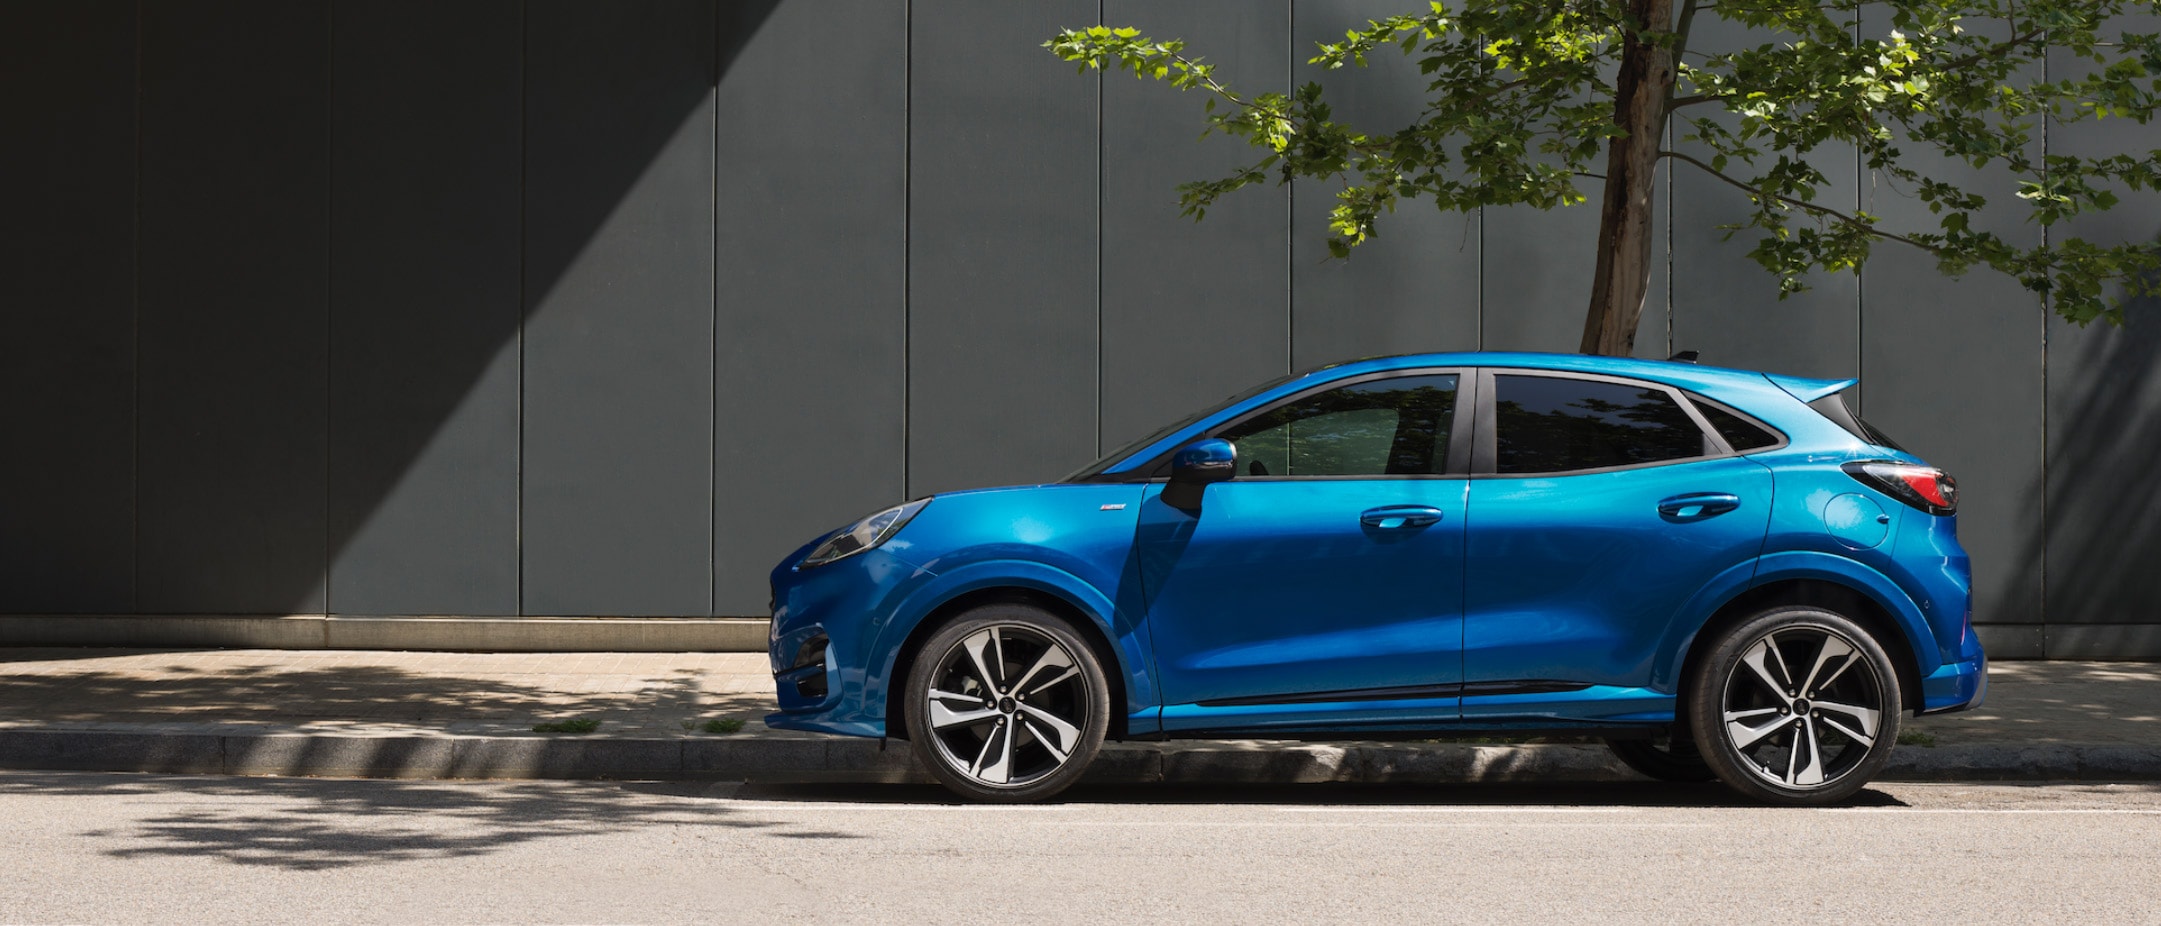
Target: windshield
[[1114, 457]]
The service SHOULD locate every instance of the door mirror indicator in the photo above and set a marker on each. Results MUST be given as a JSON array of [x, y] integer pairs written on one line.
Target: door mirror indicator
[[1194, 466]]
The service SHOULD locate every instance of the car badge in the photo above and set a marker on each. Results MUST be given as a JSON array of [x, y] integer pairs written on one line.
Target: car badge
[[1117, 507]]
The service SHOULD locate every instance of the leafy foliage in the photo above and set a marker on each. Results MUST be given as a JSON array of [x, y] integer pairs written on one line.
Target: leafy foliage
[[1520, 106]]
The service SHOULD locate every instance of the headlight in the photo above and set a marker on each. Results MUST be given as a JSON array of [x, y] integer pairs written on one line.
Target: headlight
[[864, 534]]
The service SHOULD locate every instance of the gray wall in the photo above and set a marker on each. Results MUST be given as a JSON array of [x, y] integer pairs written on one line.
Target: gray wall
[[561, 308]]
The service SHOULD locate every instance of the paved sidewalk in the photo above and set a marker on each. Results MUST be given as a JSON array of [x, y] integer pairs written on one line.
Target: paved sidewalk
[[372, 713]]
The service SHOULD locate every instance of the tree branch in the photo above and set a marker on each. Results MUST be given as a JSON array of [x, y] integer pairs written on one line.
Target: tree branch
[[1811, 208]]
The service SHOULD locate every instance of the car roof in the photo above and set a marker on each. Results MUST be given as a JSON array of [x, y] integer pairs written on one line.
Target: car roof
[[1679, 373]]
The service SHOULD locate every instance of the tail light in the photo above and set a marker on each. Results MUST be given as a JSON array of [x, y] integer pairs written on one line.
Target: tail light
[[1924, 487]]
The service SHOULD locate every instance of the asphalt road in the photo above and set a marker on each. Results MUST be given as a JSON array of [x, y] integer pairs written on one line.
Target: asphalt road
[[90, 847]]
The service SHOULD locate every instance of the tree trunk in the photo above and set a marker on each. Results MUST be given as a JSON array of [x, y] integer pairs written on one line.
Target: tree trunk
[[1624, 217]]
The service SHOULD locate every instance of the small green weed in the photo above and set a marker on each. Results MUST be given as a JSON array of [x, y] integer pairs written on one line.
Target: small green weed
[[573, 725], [723, 725], [1916, 738]]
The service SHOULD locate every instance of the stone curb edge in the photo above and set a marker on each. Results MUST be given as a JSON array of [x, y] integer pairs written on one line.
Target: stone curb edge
[[852, 760]]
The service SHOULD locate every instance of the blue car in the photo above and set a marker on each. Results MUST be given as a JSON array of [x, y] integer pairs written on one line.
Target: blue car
[[1722, 573]]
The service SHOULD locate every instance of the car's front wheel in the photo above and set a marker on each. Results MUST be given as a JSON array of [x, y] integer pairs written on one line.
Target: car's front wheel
[[1007, 703], [1796, 706]]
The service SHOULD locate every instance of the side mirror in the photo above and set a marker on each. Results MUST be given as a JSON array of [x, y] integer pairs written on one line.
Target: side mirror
[[1194, 466]]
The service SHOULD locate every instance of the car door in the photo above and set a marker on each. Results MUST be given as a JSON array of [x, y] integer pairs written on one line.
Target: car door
[[1601, 507], [1321, 585]]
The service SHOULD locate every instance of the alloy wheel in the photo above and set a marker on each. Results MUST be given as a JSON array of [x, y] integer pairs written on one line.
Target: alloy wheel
[[1007, 706], [1803, 707]]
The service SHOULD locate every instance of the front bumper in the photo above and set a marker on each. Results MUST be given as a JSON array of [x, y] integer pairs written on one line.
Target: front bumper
[[826, 621]]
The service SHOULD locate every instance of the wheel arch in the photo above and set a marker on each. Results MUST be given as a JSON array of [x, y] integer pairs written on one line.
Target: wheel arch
[[1090, 625], [1830, 594]]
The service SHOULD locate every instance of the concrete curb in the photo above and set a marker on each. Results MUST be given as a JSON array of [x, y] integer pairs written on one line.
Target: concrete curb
[[424, 756]]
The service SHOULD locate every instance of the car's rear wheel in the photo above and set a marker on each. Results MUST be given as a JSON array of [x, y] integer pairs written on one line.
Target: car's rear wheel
[[1668, 756], [1007, 703], [1796, 706]]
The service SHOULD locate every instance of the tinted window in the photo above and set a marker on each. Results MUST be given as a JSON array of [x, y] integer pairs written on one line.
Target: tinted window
[[1551, 425], [1740, 434], [1384, 427], [1834, 407]]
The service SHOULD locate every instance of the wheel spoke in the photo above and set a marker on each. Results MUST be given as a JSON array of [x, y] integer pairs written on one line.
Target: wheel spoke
[[1053, 658], [1812, 773], [975, 645], [1744, 736], [1068, 734], [1060, 751], [994, 763], [942, 716], [1864, 739], [1833, 648], [1732, 716], [1755, 658], [1868, 718]]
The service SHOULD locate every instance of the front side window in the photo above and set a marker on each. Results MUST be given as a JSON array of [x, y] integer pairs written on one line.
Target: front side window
[[1386, 427], [1546, 424]]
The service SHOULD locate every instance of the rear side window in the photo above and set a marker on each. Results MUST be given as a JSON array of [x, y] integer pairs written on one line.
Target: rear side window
[[1740, 433], [1387, 427], [1834, 407], [1546, 424]]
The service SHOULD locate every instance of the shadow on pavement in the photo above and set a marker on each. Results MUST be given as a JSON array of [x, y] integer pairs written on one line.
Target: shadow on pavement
[[306, 824], [273, 692], [1557, 794]]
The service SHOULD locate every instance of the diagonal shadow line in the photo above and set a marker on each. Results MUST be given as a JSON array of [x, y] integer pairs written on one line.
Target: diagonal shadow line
[[607, 126]]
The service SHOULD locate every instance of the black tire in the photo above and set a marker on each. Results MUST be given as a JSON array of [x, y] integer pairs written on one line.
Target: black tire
[[1796, 706], [985, 740], [1666, 757]]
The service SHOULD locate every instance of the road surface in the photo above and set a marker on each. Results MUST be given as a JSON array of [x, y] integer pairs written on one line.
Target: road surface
[[90, 847]]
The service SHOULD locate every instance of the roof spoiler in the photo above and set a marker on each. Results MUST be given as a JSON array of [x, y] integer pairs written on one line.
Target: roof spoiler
[[1809, 390]]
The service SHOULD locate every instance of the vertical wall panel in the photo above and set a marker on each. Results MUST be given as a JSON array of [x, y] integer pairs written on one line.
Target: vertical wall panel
[[618, 368], [1002, 254], [1725, 306], [2104, 428], [1415, 286], [424, 308], [1950, 366], [1538, 266], [1169, 283], [811, 251], [233, 306], [1537, 277], [67, 279]]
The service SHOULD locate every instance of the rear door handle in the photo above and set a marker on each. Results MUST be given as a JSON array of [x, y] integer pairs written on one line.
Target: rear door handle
[[1399, 517], [1696, 506]]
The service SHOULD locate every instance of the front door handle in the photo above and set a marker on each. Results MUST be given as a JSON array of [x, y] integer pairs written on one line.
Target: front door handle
[[1399, 517], [1696, 506]]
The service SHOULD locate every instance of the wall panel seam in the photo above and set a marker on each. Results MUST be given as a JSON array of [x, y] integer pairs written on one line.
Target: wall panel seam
[[330, 267], [712, 432], [524, 95], [135, 348], [907, 235]]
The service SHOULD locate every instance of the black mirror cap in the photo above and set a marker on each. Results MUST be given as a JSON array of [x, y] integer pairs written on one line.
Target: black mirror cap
[[1194, 467]]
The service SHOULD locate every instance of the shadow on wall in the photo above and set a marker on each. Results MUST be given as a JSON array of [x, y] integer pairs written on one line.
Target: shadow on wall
[[2102, 543], [481, 160], [615, 124]]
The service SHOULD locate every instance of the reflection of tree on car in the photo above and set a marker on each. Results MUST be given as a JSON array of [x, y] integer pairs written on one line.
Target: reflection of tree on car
[[1385, 427]]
